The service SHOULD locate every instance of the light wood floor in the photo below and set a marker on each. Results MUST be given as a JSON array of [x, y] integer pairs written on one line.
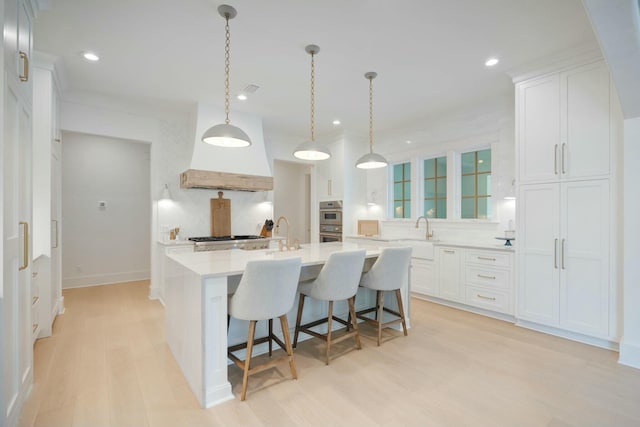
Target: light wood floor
[[107, 365]]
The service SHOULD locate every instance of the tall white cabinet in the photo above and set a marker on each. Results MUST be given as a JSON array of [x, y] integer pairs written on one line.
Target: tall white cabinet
[[16, 349], [565, 205]]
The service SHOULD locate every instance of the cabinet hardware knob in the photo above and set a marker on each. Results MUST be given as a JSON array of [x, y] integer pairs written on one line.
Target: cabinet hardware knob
[[483, 297]]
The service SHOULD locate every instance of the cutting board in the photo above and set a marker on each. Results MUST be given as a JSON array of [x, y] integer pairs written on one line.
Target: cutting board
[[368, 227], [220, 216]]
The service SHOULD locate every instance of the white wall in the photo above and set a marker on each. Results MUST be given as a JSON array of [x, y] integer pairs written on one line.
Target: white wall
[[104, 244]]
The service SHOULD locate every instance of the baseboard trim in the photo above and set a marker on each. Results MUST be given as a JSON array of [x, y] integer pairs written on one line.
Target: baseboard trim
[[629, 354], [460, 306], [104, 279], [573, 336]]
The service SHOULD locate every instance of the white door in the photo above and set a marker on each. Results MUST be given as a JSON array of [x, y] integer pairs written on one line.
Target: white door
[[584, 257], [538, 259], [538, 129], [449, 273], [16, 303], [585, 122]]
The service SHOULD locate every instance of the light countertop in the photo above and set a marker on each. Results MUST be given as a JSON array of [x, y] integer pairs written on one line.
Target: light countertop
[[233, 261], [499, 245]]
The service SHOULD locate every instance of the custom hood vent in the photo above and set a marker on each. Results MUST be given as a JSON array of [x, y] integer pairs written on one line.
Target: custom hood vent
[[242, 169]]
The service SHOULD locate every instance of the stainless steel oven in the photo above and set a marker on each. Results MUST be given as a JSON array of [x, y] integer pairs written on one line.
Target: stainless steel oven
[[331, 221]]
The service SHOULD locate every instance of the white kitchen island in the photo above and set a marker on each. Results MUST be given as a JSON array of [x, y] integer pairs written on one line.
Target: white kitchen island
[[197, 285]]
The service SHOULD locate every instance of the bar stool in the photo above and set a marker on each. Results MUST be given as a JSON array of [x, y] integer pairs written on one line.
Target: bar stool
[[267, 290], [338, 280], [388, 273]]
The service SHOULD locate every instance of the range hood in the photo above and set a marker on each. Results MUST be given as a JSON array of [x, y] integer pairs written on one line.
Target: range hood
[[242, 169]]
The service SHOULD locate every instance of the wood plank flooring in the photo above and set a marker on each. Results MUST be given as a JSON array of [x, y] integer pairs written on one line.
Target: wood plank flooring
[[107, 365]]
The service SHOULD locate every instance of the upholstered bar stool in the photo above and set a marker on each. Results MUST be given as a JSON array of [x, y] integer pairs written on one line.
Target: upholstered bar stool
[[267, 290], [388, 273], [338, 281]]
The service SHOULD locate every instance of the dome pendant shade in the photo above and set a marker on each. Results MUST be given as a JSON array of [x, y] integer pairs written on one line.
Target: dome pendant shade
[[311, 150], [371, 161], [226, 135]]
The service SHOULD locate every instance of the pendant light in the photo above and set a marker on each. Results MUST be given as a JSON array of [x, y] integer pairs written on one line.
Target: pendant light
[[371, 160], [312, 150], [226, 135]]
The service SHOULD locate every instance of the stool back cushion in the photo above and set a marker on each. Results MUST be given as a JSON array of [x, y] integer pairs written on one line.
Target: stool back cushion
[[267, 289], [390, 271], [339, 277]]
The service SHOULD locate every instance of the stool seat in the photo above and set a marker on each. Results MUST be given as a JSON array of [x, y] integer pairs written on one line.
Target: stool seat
[[338, 280], [266, 291], [388, 273]]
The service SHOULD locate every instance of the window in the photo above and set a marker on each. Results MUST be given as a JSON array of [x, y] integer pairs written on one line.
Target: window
[[435, 188], [476, 184], [402, 190]]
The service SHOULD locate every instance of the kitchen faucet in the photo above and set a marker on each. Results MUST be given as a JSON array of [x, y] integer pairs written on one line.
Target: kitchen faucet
[[288, 242], [429, 234]]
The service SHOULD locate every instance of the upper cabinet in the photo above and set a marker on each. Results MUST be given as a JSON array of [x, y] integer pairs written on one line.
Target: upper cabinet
[[563, 125], [18, 43]]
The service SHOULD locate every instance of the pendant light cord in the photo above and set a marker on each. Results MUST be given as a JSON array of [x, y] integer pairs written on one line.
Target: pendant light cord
[[227, 49], [313, 99], [371, 115]]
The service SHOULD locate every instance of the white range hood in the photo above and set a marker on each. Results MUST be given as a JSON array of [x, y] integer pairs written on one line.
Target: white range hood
[[247, 166]]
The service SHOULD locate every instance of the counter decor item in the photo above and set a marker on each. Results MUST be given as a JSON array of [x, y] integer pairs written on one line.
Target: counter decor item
[[220, 216], [368, 227], [507, 240], [266, 228]]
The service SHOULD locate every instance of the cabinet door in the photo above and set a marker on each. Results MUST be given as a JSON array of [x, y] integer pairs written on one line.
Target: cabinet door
[[538, 261], [584, 257], [585, 122], [423, 280], [538, 129], [449, 273]]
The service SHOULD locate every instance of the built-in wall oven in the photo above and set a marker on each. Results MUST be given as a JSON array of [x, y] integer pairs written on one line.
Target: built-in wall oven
[[331, 221]]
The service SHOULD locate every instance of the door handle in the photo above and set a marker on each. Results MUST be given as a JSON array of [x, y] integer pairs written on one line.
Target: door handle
[[562, 254], [555, 253], [564, 155], [25, 67], [55, 228], [25, 245]]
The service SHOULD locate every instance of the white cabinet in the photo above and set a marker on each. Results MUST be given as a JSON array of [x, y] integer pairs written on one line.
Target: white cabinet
[[564, 244], [167, 249], [18, 43], [488, 280], [563, 125], [423, 280], [330, 174], [448, 261]]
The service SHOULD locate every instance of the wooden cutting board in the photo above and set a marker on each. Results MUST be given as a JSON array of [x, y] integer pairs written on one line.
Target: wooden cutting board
[[220, 216]]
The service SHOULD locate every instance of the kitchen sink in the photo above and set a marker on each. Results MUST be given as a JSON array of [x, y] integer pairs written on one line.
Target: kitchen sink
[[421, 248]]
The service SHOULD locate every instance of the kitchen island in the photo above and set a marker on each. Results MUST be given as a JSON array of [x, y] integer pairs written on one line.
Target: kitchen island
[[197, 285]]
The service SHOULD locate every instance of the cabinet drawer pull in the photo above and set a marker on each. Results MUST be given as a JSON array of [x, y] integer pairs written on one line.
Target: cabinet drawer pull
[[449, 251], [486, 258], [25, 246], [25, 67], [35, 300], [487, 277], [487, 298]]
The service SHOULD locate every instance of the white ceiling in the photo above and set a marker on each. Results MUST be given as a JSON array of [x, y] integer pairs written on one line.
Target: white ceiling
[[429, 54]]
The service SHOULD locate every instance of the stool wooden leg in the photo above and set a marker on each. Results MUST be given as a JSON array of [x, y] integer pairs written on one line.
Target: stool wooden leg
[[287, 342], [270, 335], [380, 299], [401, 310], [352, 315], [329, 318], [247, 359], [298, 319], [378, 293]]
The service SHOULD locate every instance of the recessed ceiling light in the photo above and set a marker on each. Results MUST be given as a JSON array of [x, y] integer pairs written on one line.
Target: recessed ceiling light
[[491, 62], [336, 122], [90, 56], [242, 97]]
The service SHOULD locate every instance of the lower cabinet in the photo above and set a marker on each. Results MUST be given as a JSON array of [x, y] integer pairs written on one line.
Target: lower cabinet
[[448, 273], [423, 279]]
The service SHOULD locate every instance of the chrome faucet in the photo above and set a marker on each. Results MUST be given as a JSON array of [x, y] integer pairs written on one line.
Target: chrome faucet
[[429, 234], [288, 241]]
